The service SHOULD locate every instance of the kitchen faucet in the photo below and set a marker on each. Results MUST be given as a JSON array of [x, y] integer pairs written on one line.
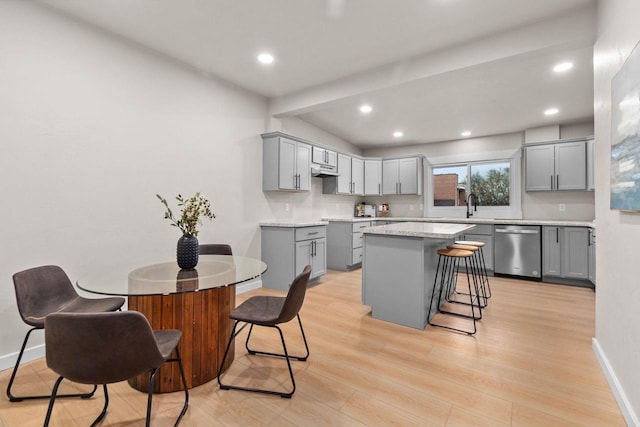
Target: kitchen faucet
[[475, 204]]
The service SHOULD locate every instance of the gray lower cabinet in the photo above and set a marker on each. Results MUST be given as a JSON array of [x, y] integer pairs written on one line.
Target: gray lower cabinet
[[287, 250], [483, 233], [592, 256], [565, 253], [344, 244]]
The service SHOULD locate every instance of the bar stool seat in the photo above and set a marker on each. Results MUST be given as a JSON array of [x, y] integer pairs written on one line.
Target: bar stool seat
[[470, 242], [448, 260]]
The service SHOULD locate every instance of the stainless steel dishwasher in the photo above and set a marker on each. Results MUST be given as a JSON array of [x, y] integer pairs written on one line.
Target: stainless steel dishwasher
[[517, 250]]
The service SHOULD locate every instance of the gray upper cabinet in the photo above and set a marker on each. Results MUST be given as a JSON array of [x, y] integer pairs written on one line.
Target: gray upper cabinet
[[286, 164], [372, 177], [350, 179], [344, 170], [324, 156], [402, 176], [559, 166], [590, 183], [357, 176]]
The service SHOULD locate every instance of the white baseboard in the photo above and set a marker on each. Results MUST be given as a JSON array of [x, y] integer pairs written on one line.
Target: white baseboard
[[249, 286], [630, 417], [8, 361]]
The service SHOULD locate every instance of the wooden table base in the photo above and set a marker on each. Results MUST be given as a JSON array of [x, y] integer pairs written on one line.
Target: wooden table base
[[203, 318]]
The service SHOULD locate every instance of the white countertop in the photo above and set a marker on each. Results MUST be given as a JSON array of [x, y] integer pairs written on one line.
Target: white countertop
[[293, 224], [436, 230], [558, 223]]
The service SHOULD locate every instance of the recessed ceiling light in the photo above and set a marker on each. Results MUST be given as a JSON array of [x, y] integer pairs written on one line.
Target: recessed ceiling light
[[562, 67], [265, 58], [466, 133], [398, 134], [365, 109], [551, 111]]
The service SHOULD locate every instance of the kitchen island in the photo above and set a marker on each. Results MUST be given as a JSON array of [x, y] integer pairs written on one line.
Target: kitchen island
[[399, 266]]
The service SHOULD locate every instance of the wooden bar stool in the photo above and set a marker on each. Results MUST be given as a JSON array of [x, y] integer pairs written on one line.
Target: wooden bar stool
[[485, 276], [476, 275], [448, 260]]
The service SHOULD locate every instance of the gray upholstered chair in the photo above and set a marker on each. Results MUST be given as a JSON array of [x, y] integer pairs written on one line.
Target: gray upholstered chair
[[270, 311], [105, 348], [215, 249], [44, 290]]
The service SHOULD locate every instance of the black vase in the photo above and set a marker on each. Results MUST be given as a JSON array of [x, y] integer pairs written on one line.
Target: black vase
[[187, 251]]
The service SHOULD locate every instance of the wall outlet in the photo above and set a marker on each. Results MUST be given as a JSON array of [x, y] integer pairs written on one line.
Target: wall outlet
[[561, 207]]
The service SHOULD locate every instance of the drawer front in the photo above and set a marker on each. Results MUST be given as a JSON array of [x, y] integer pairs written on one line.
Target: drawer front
[[482, 229], [357, 226], [357, 240], [357, 255], [306, 233]]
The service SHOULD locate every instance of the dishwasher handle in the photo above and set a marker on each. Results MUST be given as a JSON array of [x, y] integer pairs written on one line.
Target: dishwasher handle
[[507, 231]]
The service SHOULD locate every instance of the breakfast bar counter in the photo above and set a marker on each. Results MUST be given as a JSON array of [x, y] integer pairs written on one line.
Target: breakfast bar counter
[[399, 266]]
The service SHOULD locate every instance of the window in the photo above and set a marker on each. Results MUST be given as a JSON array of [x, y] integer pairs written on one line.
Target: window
[[489, 182], [493, 176]]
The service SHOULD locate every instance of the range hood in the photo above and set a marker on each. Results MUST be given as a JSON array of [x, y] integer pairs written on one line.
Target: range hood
[[322, 171]]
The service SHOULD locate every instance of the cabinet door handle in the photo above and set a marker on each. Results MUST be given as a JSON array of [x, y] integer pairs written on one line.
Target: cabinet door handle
[[557, 235], [379, 191], [551, 181], [311, 233], [557, 182], [313, 248], [400, 185]]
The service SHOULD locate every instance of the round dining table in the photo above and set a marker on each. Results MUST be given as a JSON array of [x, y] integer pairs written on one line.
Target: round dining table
[[196, 301]]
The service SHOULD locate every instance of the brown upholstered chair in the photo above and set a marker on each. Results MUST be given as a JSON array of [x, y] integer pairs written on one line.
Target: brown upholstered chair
[[105, 348], [44, 290], [215, 249], [270, 311]]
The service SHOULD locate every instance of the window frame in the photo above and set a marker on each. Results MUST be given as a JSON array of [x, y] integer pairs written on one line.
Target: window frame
[[513, 210]]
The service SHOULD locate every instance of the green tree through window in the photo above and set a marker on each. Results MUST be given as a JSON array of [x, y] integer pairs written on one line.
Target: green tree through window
[[490, 183]]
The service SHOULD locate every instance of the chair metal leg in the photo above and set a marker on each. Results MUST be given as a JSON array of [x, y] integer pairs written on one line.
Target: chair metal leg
[[152, 378], [265, 353], [13, 398], [286, 356], [104, 408], [178, 359], [52, 399]]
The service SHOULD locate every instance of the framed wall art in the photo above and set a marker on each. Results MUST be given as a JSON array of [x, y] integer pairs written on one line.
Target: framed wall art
[[625, 135]]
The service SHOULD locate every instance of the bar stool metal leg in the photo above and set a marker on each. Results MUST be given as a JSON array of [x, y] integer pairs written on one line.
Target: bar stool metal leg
[[448, 259]]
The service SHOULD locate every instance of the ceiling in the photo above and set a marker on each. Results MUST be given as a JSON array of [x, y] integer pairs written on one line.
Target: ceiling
[[431, 68]]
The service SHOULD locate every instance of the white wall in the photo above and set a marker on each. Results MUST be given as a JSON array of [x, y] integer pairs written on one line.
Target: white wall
[[617, 340], [91, 128]]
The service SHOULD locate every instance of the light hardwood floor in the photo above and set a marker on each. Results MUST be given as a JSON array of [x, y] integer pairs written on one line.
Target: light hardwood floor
[[530, 364]]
